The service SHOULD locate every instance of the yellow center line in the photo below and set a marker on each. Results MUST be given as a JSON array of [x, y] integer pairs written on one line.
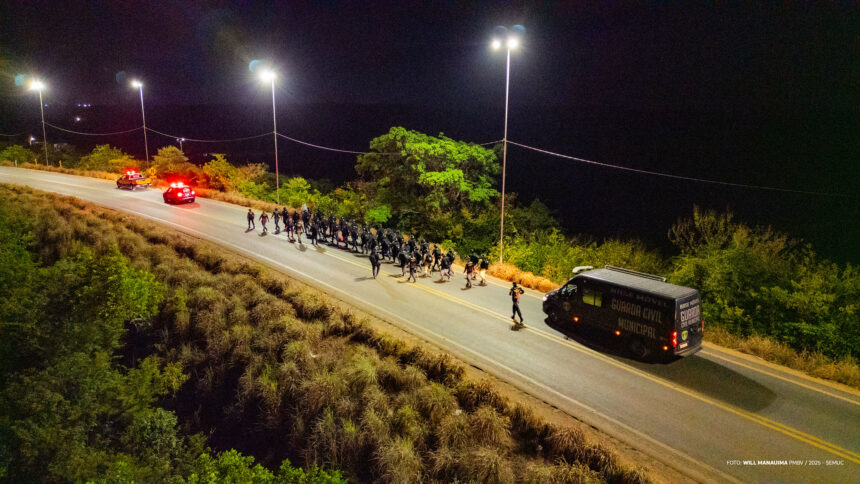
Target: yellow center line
[[764, 421], [779, 427], [774, 375]]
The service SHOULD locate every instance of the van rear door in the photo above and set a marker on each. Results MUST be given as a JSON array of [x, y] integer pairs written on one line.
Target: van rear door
[[688, 324]]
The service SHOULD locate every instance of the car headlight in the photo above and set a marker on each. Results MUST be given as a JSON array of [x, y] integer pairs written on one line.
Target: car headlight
[[545, 297]]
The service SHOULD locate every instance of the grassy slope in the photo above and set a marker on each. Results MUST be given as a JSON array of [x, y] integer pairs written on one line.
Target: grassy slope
[[844, 370], [279, 370]]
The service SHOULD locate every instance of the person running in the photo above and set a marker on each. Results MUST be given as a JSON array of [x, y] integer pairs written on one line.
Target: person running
[[515, 294], [299, 229], [413, 265], [437, 258], [485, 264], [264, 219], [403, 258], [313, 233], [277, 218], [474, 259], [251, 224], [469, 270], [375, 263], [426, 261], [446, 269], [288, 228]]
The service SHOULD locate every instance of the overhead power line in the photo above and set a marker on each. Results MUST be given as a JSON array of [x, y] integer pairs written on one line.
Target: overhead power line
[[11, 135], [679, 177], [93, 134], [326, 147], [355, 152], [209, 140]]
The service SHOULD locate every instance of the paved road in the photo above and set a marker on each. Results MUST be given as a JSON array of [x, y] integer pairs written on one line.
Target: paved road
[[704, 415]]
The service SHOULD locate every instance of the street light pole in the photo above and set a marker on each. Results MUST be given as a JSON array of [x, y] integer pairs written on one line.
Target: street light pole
[[511, 43], [270, 76], [44, 134], [38, 86], [504, 158], [139, 86], [180, 143]]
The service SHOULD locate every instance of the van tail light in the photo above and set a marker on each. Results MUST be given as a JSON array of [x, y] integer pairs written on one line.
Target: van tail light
[[674, 339], [192, 192], [703, 327]]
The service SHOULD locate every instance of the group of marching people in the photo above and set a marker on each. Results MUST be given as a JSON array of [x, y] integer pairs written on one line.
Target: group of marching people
[[412, 255]]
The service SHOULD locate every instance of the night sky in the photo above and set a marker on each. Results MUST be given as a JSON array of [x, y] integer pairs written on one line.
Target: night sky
[[654, 57], [759, 93]]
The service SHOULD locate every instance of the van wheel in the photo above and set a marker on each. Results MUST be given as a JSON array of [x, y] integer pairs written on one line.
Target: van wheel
[[638, 348]]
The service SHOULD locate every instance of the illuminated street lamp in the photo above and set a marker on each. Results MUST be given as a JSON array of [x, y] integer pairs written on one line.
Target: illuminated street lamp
[[269, 76], [180, 140], [38, 86], [139, 85], [511, 41]]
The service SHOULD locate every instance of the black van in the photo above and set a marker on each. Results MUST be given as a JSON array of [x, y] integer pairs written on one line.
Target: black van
[[652, 316]]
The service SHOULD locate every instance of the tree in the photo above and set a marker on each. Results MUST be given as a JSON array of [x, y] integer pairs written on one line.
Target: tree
[[296, 191], [427, 181], [68, 411], [104, 158], [220, 174], [171, 162], [17, 154]]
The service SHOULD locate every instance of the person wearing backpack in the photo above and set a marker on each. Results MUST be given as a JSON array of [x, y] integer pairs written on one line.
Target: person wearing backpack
[[515, 294]]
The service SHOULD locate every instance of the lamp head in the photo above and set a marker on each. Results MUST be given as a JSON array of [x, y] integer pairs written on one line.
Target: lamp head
[[267, 76], [136, 84], [37, 85], [513, 42], [496, 44]]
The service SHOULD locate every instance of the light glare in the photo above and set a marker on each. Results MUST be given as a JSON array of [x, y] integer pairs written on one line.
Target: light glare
[[137, 84], [37, 85], [267, 76], [513, 43], [497, 44]]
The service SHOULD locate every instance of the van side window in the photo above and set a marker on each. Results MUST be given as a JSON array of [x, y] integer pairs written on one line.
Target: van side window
[[590, 296]]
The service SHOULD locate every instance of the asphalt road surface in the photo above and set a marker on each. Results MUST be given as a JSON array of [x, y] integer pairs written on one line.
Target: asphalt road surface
[[716, 416]]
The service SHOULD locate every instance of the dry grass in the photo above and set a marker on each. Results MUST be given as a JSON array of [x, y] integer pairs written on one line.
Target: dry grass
[[104, 175], [844, 370], [511, 273], [271, 360]]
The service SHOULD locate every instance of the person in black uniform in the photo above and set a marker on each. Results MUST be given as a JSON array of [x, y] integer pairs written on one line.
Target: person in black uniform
[[375, 263], [469, 270], [251, 224], [413, 266], [515, 294], [403, 258], [437, 256], [445, 273], [276, 216], [313, 233]]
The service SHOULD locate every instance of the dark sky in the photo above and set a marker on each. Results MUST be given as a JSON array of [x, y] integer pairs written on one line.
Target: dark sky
[[761, 93], [666, 55]]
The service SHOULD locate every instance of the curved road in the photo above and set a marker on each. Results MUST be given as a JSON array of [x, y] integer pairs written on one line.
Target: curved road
[[716, 416]]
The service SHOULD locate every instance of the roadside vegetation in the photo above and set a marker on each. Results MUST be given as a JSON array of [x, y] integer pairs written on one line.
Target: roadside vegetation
[[763, 293], [128, 348]]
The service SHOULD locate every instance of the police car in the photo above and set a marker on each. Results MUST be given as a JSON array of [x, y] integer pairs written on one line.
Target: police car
[[179, 192], [132, 179]]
